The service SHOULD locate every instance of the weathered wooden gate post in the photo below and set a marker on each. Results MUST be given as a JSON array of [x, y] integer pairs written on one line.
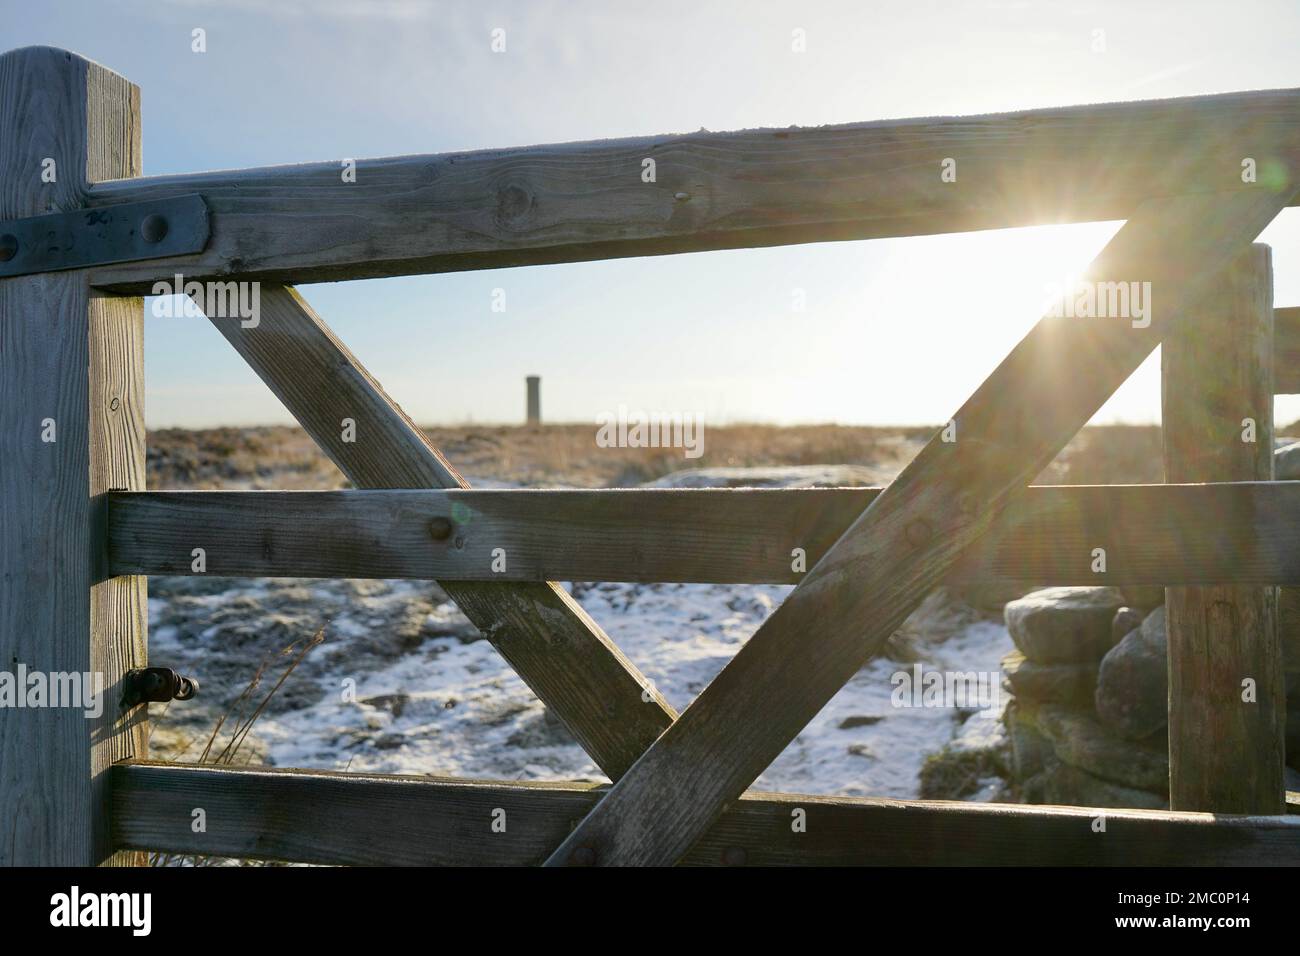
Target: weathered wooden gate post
[[1227, 702], [71, 428]]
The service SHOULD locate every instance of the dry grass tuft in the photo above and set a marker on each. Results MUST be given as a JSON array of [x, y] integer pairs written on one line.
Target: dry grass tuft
[[242, 720]]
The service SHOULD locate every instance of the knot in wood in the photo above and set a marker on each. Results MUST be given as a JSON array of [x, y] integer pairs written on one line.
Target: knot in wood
[[513, 204]]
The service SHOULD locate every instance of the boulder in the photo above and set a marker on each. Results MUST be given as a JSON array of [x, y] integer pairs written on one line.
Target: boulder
[[1064, 625], [1072, 684], [1030, 750], [1133, 681], [1126, 619], [1070, 786], [1080, 740]]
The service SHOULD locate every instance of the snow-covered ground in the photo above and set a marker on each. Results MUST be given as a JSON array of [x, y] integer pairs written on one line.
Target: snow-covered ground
[[403, 684]]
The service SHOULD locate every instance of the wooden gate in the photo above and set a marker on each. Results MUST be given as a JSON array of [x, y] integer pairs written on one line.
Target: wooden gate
[[79, 533]]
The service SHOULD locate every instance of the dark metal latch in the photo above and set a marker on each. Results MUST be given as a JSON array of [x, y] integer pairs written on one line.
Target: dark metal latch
[[158, 684]]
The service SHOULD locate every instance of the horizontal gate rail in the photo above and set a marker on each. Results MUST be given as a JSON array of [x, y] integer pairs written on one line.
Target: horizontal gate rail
[[1246, 532], [583, 201], [347, 818]]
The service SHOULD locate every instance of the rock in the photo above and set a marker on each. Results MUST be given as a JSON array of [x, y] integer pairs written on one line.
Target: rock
[[1082, 741], [1049, 683], [1143, 597], [1126, 619], [1286, 462], [1030, 750], [395, 704], [1063, 784], [859, 720], [1133, 681], [1064, 625]]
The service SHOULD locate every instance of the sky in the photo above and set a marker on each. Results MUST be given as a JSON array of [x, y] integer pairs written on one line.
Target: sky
[[896, 331]]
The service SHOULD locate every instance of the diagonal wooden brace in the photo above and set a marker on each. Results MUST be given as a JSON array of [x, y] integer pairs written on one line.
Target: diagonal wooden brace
[[558, 650], [913, 533]]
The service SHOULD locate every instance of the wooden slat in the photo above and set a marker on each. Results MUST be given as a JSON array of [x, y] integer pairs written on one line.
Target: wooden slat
[[70, 362], [1225, 744], [1286, 350], [338, 818], [1152, 534], [581, 201], [558, 650], [906, 542]]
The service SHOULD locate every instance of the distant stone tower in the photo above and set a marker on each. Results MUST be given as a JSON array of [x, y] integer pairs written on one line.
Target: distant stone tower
[[534, 399]]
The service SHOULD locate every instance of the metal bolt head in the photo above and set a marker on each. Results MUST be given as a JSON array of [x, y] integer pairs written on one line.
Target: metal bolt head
[[440, 528], [153, 228], [8, 247], [154, 682]]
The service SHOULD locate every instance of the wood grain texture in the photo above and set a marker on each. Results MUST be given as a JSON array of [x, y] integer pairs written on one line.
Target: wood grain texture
[[1245, 532], [582, 201], [906, 542], [1225, 753], [64, 356], [337, 818], [558, 650]]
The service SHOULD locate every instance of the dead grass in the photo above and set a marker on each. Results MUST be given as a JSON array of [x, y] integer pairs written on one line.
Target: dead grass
[[241, 719], [567, 454]]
